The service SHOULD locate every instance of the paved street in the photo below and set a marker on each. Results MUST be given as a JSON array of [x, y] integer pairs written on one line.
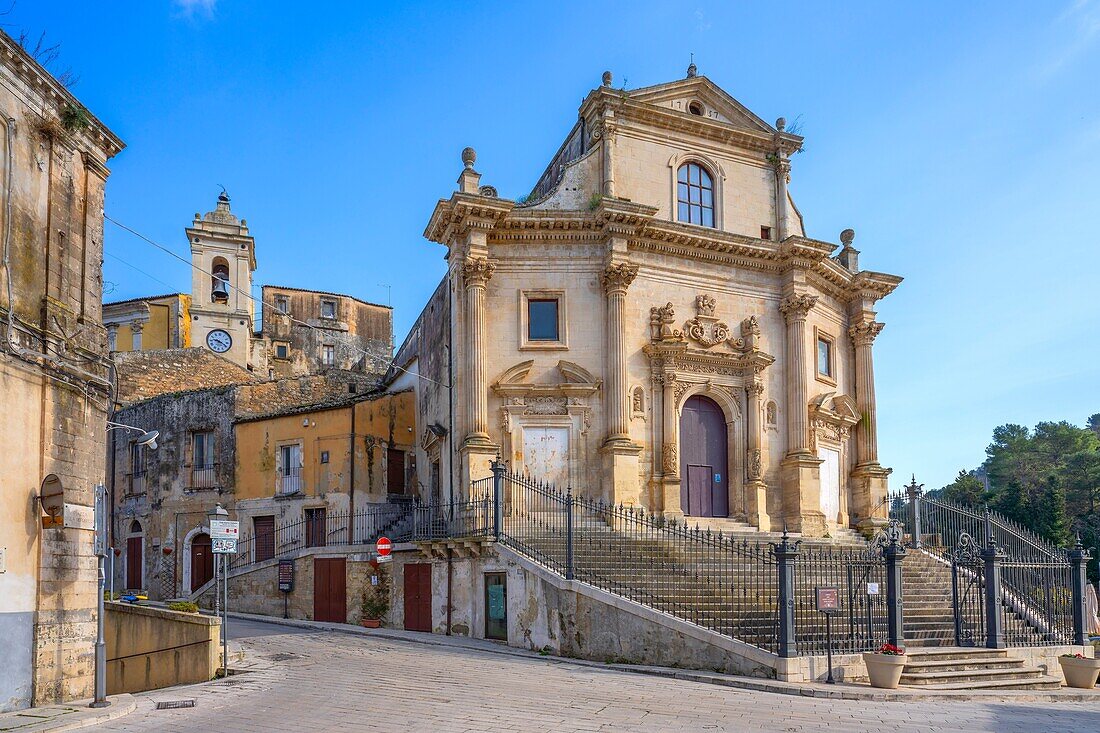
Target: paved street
[[307, 680]]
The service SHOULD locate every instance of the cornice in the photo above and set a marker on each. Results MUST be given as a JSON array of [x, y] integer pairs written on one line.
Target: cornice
[[462, 212]]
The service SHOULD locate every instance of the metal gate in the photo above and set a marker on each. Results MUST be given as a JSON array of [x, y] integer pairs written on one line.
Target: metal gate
[[968, 592]]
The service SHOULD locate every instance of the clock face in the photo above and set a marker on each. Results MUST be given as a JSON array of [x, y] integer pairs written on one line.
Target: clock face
[[219, 341]]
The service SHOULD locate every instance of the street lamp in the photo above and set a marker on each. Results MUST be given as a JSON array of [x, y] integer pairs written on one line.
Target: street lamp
[[218, 513], [148, 438]]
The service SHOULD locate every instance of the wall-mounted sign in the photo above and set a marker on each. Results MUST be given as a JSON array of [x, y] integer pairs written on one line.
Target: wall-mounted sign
[[828, 599], [221, 529], [286, 575], [222, 546], [872, 589]]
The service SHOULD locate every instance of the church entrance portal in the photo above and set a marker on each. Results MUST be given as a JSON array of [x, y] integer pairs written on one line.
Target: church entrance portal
[[704, 464]]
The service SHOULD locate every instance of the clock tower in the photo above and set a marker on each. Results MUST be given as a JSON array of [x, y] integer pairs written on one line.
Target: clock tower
[[223, 258]]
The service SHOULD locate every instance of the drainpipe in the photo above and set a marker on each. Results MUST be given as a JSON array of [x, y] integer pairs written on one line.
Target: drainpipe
[[450, 571], [351, 490]]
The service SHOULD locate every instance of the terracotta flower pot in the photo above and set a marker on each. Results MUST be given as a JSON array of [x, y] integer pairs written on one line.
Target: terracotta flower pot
[[371, 623], [1080, 673], [884, 670]]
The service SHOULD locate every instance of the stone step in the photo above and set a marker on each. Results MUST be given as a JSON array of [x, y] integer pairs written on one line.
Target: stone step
[[955, 653], [959, 665], [966, 675], [1043, 682]]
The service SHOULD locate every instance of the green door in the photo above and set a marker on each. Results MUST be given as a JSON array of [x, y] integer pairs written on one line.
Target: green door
[[496, 606]]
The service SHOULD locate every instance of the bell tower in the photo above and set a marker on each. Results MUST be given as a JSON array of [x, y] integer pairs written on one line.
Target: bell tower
[[223, 258]]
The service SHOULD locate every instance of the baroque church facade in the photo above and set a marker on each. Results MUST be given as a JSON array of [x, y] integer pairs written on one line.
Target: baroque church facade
[[653, 327]]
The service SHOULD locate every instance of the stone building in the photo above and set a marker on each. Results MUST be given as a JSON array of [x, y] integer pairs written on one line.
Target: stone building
[[653, 326], [53, 382]]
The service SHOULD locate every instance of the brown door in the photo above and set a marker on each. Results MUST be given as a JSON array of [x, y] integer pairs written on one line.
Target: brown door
[[418, 597], [330, 591], [395, 471], [133, 563], [704, 483], [202, 562], [316, 533], [264, 532]]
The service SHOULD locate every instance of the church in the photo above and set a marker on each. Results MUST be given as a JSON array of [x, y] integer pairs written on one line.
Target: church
[[651, 325]]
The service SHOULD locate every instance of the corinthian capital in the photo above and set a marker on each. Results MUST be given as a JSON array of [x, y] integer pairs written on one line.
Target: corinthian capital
[[618, 277], [477, 271], [795, 307], [864, 332]]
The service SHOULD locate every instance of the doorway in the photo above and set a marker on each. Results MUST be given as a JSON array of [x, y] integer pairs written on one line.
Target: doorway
[[202, 561], [496, 606], [546, 455], [330, 589], [135, 560], [704, 462], [830, 483], [418, 596]]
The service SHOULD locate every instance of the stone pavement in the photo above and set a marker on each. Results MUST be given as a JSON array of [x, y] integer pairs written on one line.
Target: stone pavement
[[69, 716], [302, 680]]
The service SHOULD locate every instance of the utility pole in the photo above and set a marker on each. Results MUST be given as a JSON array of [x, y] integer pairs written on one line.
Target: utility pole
[[101, 551]]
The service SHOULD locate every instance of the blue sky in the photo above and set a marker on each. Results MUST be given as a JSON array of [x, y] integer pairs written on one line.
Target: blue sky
[[960, 140]]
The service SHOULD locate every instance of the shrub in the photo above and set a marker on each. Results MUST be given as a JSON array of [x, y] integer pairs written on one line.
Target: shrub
[[183, 607]]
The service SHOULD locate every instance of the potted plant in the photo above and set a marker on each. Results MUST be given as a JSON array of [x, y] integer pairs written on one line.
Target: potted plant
[[376, 600], [884, 666], [1080, 671]]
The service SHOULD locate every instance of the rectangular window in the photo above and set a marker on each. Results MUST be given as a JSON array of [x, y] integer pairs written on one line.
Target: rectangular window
[[765, 232], [290, 469], [263, 529], [202, 460], [328, 355], [542, 319], [137, 469], [315, 528], [282, 304], [324, 456], [824, 357], [282, 351], [328, 309]]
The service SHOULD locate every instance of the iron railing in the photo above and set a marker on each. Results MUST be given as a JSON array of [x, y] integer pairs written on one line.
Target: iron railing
[[290, 480], [204, 477]]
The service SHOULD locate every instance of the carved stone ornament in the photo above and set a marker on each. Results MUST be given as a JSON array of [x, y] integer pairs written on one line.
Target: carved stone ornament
[[705, 304], [660, 322], [669, 458], [755, 389], [618, 277], [864, 333], [477, 271], [755, 467], [797, 306], [546, 405]]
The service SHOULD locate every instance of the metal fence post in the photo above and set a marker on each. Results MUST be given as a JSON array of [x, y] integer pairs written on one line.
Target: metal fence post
[[914, 492], [894, 554], [785, 554], [569, 534], [1078, 560], [994, 621], [498, 496]]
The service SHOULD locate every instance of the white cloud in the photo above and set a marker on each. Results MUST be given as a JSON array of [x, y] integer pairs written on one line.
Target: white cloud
[[189, 8], [1079, 28]]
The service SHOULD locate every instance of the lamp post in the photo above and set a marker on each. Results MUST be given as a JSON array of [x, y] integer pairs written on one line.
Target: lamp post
[[149, 439], [218, 513]]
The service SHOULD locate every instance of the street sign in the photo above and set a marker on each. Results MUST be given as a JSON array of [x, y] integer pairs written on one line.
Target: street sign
[[872, 589], [828, 599], [221, 529], [222, 546], [286, 575], [384, 546]]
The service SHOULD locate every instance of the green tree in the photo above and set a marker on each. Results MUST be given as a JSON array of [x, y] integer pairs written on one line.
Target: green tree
[[966, 489]]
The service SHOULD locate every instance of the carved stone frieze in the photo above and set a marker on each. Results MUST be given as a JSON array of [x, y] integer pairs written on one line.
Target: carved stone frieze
[[755, 464], [546, 405]]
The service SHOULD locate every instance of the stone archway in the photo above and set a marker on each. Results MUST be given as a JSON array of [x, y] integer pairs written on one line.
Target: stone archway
[[704, 460]]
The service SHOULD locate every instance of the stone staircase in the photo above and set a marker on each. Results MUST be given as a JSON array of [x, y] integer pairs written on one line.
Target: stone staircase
[[973, 669]]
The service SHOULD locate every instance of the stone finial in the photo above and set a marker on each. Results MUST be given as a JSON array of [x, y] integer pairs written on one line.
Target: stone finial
[[607, 78], [469, 157], [849, 256], [847, 236], [693, 70], [781, 124]]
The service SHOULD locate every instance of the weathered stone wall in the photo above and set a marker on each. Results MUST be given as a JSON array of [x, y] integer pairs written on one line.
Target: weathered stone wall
[[149, 648], [145, 374]]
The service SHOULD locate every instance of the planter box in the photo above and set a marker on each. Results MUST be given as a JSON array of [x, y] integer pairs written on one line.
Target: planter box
[[1080, 673], [884, 670]]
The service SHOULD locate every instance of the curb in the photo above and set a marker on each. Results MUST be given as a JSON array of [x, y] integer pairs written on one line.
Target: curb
[[839, 691], [81, 717]]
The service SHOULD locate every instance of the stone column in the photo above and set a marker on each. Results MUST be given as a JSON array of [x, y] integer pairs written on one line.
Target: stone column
[[135, 337], [782, 178], [756, 497], [670, 449], [620, 452], [801, 475], [476, 273], [112, 337], [869, 479], [608, 132]]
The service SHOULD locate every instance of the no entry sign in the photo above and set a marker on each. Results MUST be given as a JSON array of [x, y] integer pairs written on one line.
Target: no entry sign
[[384, 546]]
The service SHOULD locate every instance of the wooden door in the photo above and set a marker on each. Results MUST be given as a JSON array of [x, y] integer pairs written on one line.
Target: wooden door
[[330, 590], [395, 471], [418, 597], [134, 562], [546, 455], [704, 483], [202, 561], [263, 529], [496, 606]]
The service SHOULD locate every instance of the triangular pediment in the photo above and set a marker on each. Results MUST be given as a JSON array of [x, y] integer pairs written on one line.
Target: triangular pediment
[[717, 105]]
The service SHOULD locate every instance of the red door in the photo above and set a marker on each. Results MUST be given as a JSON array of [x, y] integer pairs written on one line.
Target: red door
[[202, 562], [133, 563], [418, 597], [704, 483], [330, 591]]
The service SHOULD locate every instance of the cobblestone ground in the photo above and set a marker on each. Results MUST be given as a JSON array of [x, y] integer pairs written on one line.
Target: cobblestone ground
[[326, 681]]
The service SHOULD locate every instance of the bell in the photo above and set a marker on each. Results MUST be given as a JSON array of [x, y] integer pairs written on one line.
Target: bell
[[220, 291]]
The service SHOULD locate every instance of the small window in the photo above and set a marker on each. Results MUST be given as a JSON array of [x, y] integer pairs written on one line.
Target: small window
[[282, 304], [765, 232], [542, 319], [328, 355], [694, 195], [324, 456], [824, 357], [202, 449], [352, 388], [328, 309], [282, 351]]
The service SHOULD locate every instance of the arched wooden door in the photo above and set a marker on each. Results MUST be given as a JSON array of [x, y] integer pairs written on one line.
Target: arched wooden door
[[704, 483], [202, 561], [135, 557]]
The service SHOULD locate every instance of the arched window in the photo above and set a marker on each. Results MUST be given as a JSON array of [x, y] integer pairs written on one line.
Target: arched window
[[694, 195], [219, 291], [135, 527]]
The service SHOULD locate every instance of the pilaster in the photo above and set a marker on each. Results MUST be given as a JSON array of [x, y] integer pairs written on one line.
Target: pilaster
[[756, 491], [620, 452], [868, 478]]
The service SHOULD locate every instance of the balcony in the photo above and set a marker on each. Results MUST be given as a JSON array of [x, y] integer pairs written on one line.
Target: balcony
[[204, 477], [137, 482], [290, 480]]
